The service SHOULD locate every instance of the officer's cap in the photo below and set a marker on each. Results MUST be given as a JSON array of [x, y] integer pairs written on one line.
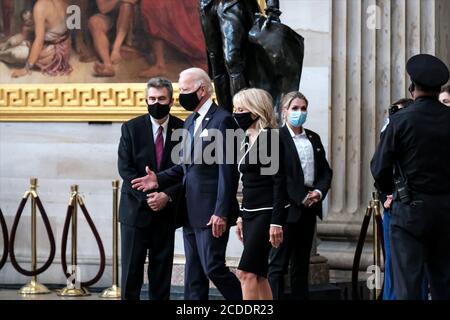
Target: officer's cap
[[428, 71]]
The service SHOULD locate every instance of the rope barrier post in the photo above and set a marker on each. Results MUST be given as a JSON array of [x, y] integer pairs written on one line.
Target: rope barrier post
[[74, 290], [34, 287], [376, 205], [373, 212], [114, 291], [4, 229], [74, 241]]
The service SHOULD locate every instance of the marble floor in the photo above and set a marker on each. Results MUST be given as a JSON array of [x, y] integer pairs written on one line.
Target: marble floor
[[10, 294]]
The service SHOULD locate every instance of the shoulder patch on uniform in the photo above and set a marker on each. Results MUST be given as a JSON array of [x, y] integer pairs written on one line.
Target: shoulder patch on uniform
[[386, 124]]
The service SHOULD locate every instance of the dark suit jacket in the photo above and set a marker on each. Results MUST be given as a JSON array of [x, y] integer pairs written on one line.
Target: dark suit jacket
[[210, 188], [294, 173], [136, 151]]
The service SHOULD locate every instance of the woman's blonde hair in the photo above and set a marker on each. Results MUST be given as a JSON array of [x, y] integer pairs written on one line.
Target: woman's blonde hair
[[287, 99], [259, 102]]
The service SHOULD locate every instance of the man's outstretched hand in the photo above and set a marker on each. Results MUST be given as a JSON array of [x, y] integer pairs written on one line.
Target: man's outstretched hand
[[149, 182]]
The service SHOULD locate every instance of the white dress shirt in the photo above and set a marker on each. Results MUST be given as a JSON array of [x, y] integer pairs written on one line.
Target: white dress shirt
[[306, 155], [155, 128], [202, 113]]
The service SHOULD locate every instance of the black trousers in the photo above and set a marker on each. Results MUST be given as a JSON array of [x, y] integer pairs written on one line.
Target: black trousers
[[156, 240], [420, 245], [296, 250], [225, 30], [205, 260]]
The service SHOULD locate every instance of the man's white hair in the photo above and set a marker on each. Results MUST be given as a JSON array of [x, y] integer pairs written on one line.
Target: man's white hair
[[200, 77]]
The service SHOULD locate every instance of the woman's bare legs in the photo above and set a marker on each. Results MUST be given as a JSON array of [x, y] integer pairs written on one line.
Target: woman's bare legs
[[265, 292], [254, 287], [249, 284]]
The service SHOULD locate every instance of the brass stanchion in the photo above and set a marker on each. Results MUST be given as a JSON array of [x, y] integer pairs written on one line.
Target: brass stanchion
[[34, 287], [75, 287], [377, 238], [114, 291], [4, 230], [72, 290], [373, 212]]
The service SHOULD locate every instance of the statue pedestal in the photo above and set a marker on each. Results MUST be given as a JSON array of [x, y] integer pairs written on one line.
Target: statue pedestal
[[319, 270]]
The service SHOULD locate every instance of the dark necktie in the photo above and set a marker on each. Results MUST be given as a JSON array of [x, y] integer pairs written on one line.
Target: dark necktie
[[159, 147], [192, 126], [190, 141]]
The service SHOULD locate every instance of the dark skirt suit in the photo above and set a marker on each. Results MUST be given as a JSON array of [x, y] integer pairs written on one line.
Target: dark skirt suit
[[301, 220], [264, 200]]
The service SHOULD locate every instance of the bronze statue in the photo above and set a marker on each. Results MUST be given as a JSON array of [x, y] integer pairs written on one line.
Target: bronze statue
[[237, 61]]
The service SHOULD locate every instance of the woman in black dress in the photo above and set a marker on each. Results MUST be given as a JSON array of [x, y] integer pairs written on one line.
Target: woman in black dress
[[263, 211]]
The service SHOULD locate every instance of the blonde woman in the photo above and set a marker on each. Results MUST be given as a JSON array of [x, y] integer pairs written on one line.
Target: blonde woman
[[308, 179], [263, 212]]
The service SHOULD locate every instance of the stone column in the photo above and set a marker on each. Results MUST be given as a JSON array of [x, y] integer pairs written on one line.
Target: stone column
[[371, 42]]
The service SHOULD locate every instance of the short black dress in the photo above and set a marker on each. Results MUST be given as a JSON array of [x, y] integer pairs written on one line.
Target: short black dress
[[264, 200]]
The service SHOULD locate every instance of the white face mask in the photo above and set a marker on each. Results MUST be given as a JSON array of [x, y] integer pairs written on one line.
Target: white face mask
[[297, 118]]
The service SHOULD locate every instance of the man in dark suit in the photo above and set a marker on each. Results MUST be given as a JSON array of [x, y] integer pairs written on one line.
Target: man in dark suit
[[148, 221], [210, 190], [308, 181], [226, 24]]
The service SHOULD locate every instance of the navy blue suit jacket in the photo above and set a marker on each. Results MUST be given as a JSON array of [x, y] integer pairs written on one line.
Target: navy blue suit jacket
[[210, 189]]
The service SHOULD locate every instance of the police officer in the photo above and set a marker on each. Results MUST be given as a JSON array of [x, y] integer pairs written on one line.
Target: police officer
[[413, 161]]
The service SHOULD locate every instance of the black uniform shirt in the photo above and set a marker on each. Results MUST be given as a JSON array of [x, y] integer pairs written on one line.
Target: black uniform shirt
[[419, 139]]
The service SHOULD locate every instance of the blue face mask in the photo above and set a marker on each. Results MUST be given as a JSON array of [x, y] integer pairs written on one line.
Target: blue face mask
[[297, 118]]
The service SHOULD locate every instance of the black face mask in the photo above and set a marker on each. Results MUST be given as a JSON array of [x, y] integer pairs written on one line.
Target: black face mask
[[158, 111], [189, 101], [244, 120]]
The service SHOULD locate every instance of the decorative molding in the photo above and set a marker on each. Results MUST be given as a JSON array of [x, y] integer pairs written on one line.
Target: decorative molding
[[104, 102]]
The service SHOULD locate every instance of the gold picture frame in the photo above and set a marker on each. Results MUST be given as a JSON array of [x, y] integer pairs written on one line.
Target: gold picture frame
[[99, 102]]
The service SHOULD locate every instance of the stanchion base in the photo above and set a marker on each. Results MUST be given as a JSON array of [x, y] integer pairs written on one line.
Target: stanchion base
[[73, 292], [34, 288], [111, 293]]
